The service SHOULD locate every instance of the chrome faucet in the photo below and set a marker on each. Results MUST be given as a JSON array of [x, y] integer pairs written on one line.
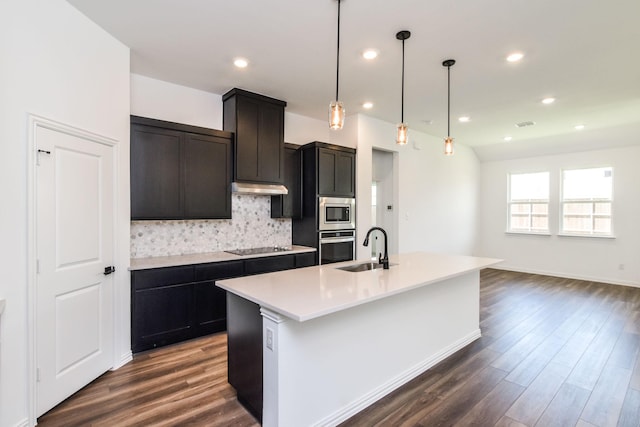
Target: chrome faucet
[[382, 260]]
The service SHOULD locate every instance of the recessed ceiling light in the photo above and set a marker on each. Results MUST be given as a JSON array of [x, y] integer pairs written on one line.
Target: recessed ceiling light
[[370, 54], [367, 105], [240, 62], [515, 57], [464, 119], [579, 127], [548, 101], [507, 138]]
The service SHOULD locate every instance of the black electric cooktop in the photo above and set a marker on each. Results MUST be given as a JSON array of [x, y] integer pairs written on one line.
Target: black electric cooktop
[[257, 251]]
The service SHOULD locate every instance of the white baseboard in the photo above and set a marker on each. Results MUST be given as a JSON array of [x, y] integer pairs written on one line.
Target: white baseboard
[[354, 407], [23, 423], [124, 359], [566, 276]]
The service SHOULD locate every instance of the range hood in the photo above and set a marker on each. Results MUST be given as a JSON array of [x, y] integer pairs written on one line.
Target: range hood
[[258, 189]]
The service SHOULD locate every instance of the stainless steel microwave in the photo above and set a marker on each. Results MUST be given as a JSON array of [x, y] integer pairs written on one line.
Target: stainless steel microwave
[[336, 213]]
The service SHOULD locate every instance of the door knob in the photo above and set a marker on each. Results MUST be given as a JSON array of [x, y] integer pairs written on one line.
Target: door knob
[[109, 270]]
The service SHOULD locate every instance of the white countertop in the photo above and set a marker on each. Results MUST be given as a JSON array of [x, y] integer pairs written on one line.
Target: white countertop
[[307, 293], [203, 258]]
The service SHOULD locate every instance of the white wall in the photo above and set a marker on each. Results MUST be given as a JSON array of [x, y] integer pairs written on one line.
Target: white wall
[[437, 194], [577, 257], [162, 100], [59, 65]]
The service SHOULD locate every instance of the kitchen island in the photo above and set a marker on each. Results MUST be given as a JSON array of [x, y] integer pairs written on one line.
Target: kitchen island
[[331, 342]]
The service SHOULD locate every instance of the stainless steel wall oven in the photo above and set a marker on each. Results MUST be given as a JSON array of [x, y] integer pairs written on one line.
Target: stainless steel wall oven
[[336, 246]]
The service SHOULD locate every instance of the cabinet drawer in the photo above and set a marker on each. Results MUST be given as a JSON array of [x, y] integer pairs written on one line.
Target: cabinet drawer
[[219, 270], [144, 279], [306, 259], [269, 264]]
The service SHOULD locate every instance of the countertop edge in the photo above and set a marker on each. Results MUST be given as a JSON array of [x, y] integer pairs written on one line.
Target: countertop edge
[[483, 263], [205, 258]]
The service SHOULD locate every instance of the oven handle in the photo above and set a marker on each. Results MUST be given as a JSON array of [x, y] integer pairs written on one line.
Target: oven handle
[[337, 239]]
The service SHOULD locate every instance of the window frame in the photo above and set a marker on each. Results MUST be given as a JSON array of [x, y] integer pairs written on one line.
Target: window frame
[[530, 203], [592, 215]]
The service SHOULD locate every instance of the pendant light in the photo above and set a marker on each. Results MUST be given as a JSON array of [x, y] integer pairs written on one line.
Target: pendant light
[[402, 137], [448, 141], [336, 109]]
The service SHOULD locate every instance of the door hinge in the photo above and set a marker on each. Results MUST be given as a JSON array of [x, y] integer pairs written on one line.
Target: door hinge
[[37, 266]]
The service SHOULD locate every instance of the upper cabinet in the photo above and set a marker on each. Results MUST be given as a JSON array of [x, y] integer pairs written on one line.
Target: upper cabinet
[[330, 169], [179, 171], [289, 205], [258, 124]]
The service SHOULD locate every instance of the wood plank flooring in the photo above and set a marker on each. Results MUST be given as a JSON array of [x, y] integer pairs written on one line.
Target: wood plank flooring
[[553, 352]]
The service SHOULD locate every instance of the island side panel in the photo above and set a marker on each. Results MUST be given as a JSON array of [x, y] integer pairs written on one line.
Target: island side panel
[[244, 358], [322, 371]]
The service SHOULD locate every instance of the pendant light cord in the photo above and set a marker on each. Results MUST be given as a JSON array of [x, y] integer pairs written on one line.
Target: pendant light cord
[[449, 101], [338, 54], [402, 96]]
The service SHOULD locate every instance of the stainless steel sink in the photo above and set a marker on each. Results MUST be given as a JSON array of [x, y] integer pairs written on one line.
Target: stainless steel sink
[[365, 266]]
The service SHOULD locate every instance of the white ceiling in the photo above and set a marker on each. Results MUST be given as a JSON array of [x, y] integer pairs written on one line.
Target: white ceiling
[[582, 52]]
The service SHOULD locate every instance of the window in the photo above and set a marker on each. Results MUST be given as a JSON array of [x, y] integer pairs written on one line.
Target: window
[[529, 202], [586, 201]]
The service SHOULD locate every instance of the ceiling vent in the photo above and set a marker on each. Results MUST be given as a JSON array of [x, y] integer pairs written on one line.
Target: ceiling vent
[[525, 124]]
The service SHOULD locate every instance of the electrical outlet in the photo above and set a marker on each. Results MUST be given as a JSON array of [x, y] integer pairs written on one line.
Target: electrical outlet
[[270, 339], [621, 267]]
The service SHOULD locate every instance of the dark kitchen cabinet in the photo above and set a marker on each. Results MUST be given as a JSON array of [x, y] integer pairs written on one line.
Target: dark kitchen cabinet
[[258, 124], [161, 307], [269, 264], [290, 205], [328, 170], [179, 171], [174, 304]]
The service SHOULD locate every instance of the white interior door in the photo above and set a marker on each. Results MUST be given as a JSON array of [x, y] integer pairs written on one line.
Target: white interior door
[[74, 244]]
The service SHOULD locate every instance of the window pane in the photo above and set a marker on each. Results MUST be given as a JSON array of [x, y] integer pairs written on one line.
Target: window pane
[[602, 225], [520, 223], [540, 223], [538, 208], [603, 208], [520, 208], [593, 183], [529, 186], [578, 208], [577, 224]]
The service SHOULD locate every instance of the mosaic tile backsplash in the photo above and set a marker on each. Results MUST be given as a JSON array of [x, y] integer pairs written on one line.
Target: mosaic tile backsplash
[[251, 226]]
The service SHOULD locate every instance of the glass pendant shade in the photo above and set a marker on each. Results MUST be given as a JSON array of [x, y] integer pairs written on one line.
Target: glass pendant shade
[[448, 146], [403, 134], [336, 115]]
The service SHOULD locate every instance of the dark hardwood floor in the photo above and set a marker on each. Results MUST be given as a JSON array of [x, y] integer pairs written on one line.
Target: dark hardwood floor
[[553, 352]]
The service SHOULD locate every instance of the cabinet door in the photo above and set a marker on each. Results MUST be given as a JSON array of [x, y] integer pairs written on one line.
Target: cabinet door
[[247, 139], [207, 177], [345, 175], [271, 146], [155, 173], [161, 316], [289, 205], [211, 308], [326, 172]]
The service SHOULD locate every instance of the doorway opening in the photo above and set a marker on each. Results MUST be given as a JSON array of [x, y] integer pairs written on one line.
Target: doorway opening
[[384, 200]]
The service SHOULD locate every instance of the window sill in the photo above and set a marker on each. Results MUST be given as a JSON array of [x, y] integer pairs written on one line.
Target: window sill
[[528, 233], [588, 236]]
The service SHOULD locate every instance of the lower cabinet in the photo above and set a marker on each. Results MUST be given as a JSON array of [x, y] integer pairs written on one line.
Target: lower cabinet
[[174, 304]]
